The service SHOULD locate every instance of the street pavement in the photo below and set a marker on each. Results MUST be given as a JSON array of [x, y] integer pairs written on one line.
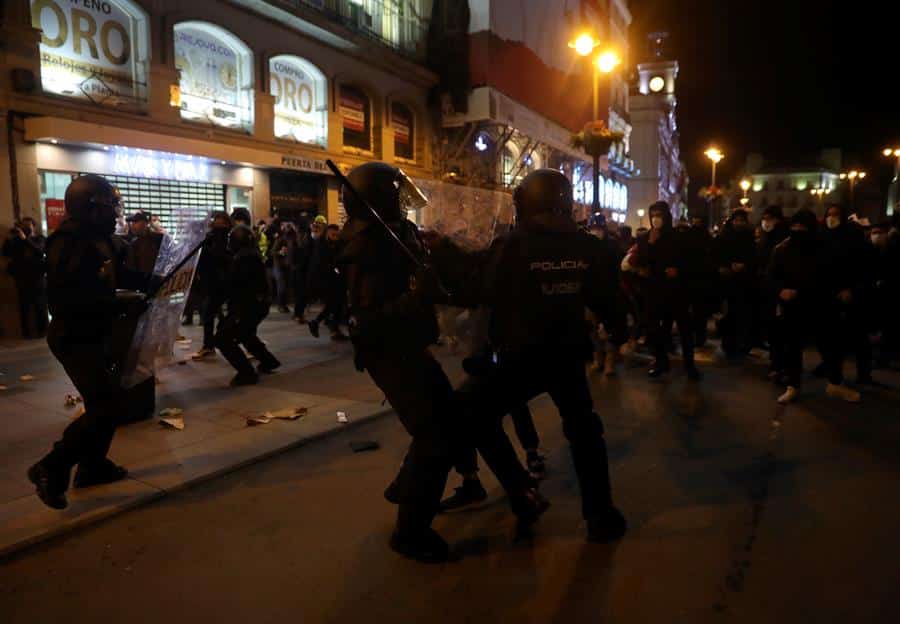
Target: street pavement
[[740, 510]]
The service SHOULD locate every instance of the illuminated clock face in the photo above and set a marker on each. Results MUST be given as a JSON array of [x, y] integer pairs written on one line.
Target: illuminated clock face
[[657, 84]]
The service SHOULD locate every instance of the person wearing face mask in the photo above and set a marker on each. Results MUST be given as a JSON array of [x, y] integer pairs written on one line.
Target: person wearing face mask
[[212, 278], [704, 279], [736, 256], [774, 231], [84, 271], [849, 271], [606, 355], [25, 250], [797, 278], [662, 256]]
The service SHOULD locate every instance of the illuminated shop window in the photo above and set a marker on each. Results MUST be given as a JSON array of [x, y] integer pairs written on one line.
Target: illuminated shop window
[[215, 75], [356, 112], [404, 122], [95, 51], [301, 100]]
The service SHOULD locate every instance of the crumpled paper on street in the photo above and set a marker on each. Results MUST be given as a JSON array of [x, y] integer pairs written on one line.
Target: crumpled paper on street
[[288, 413], [171, 417]]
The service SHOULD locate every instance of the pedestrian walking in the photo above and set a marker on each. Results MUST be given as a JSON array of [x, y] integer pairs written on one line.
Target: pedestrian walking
[[25, 250]]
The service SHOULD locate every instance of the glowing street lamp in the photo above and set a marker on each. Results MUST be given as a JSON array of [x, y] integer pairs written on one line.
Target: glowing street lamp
[[893, 152], [715, 155], [607, 61], [584, 44], [852, 177], [641, 212], [745, 186]]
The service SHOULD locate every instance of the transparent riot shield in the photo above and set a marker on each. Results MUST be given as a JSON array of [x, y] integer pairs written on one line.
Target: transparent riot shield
[[152, 346], [471, 218]]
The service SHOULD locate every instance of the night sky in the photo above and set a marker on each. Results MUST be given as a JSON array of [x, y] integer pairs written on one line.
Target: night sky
[[785, 78]]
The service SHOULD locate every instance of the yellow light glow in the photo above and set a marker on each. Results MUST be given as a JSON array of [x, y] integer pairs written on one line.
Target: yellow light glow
[[852, 175], [641, 212], [862, 174], [887, 151], [745, 201], [745, 185], [714, 154], [584, 44], [897, 153], [608, 61]]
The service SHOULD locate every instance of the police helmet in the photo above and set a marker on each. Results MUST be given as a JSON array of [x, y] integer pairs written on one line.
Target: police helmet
[[544, 197], [94, 201], [387, 189]]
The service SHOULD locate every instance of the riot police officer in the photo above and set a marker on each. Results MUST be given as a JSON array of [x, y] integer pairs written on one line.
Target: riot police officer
[[537, 282], [392, 324], [247, 296], [83, 272]]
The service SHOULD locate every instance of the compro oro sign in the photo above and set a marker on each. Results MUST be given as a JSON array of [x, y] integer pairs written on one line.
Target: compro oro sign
[[301, 103], [94, 50], [215, 74]]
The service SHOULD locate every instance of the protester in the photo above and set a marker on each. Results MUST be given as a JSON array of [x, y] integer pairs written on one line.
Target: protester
[[212, 275], [807, 306], [703, 280], [736, 258], [25, 249], [662, 257], [247, 297], [327, 283], [775, 230], [283, 257], [302, 259]]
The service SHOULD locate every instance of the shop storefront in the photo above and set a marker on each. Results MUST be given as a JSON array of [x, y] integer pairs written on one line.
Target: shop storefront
[[174, 187]]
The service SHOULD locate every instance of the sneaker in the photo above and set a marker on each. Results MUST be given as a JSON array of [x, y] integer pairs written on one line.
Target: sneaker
[[245, 379], [313, 328], [658, 369], [536, 465], [471, 492], [203, 353], [50, 487], [609, 364], [339, 336], [606, 528], [269, 366], [427, 547], [840, 391], [789, 396], [106, 472]]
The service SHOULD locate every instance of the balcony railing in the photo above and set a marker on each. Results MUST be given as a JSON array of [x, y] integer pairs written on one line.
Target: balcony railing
[[399, 24]]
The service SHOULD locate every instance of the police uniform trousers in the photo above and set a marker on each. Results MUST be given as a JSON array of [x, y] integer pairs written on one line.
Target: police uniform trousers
[[514, 382], [87, 439], [240, 329], [664, 307], [423, 399], [523, 423]]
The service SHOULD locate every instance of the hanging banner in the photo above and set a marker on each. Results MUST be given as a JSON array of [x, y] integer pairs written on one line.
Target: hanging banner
[[356, 118], [403, 122], [96, 51], [55, 210], [152, 346]]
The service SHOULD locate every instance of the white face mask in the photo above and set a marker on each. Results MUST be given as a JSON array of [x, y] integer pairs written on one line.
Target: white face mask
[[767, 225], [832, 222], [656, 222]]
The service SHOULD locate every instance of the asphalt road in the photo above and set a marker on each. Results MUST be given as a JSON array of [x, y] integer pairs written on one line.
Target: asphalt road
[[740, 511]]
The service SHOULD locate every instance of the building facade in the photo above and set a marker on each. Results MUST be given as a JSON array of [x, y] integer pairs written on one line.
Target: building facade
[[206, 105], [813, 185], [654, 138], [522, 93]]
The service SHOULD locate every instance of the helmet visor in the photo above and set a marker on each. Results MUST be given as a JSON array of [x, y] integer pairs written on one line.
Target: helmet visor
[[411, 196]]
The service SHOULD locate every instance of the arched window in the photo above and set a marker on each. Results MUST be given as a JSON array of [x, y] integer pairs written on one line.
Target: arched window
[[356, 112], [96, 55], [509, 164], [301, 100], [215, 75], [608, 194], [404, 122]]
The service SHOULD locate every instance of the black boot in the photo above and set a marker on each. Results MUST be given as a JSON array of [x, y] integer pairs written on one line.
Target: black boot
[[658, 369], [249, 378], [51, 484], [606, 528], [268, 364], [313, 328], [105, 472], [470, 492], [415, 539]]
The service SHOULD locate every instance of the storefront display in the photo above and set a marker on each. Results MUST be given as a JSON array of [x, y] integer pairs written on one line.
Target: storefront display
[[96, 51], [357, 118], [215, 76], [301, 102]]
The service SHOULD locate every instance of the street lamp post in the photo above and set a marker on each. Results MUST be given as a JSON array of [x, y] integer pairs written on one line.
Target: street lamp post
[[641, 212], [605, 62], [819, 193], [895, 181], [715, 155], [852, 176]]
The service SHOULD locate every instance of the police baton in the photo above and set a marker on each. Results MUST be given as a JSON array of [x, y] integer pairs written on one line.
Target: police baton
[[362, 200]]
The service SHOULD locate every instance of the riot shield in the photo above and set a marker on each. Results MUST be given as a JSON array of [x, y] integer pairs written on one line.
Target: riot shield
[[152, 346], [471, 218]]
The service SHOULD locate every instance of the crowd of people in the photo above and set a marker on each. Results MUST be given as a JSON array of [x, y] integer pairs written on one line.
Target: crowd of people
[[780, 285], [783, 285]]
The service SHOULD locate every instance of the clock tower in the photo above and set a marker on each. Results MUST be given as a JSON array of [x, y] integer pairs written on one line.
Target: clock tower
[[654, 136]]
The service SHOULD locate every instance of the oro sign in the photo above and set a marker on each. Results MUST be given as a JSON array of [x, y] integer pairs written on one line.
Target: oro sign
[[93, 49], [301, 108]]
